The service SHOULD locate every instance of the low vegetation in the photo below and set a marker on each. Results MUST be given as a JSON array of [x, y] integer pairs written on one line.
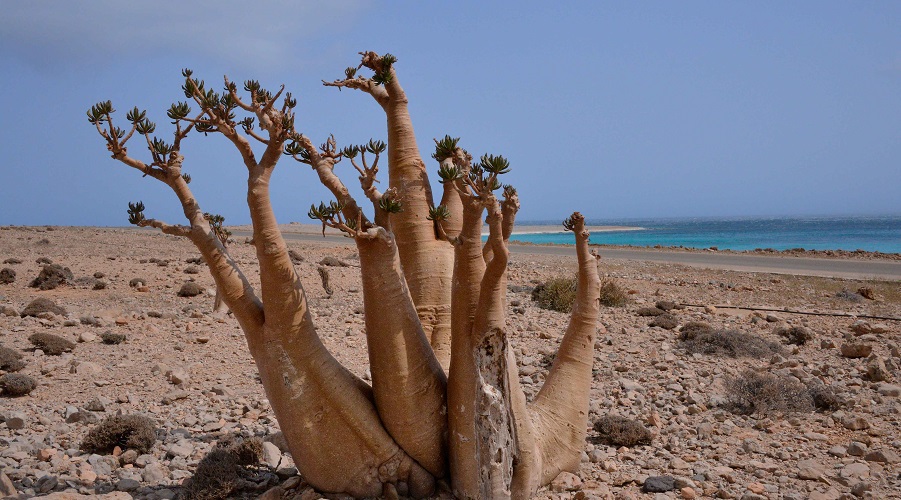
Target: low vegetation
[[620, 431], [51, 344], [15, 385], [760, 393], [221, 472], [732, 343], [556, 294], [128, 432], [612, 294]]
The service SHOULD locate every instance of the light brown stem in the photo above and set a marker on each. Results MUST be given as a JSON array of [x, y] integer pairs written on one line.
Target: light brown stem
[[407, 381]]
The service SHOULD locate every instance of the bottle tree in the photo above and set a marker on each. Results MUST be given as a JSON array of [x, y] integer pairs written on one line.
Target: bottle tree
[[445, 402]]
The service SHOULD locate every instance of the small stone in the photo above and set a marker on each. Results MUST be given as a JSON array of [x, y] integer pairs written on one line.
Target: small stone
[[659, 484], [856, 423], [155, 473], [566, 481], [178, 376], [889, 390], [46, 484], [87, 337], [860, 488], [838, 451], [688, 493], [876, 370], [15, 423], [128, 457], [271, 454], [857, 449], [856, 350], [883, 456], [128, 485]]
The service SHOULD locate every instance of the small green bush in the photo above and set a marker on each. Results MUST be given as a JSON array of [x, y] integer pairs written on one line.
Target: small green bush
[[621, 431], [556, 294], [51, 344], [133, 432], [16, 384]]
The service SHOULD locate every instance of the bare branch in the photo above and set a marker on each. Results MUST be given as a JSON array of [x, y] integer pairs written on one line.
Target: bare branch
[[175, 230]]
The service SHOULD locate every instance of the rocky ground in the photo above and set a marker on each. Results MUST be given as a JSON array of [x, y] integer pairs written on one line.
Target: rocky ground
[[190, 372]]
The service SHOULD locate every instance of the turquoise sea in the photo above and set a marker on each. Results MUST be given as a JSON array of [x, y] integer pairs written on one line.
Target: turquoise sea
[[871, 233]]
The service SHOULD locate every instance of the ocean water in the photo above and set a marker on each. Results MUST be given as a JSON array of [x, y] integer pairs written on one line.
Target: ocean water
[[871, 233]]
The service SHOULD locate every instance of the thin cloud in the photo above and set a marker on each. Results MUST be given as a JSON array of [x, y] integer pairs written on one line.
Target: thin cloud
[[50, 34]]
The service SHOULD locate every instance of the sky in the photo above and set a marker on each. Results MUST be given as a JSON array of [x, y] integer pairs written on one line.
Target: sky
[[615, 109]]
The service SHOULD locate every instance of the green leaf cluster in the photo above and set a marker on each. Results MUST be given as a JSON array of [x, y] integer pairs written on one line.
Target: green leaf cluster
[[135, 212]]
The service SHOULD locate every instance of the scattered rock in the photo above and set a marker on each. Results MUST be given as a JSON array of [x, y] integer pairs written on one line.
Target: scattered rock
[[659, 484], [566, 481], [856, 350]]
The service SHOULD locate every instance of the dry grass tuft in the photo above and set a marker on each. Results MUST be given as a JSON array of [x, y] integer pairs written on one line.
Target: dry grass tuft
[[760, 393], [556, 294], [51, 344], [621, 431], [134, 432], [10, 359], [732, 343], [612, 294], [15, 384], [221, 472], [796, 335]]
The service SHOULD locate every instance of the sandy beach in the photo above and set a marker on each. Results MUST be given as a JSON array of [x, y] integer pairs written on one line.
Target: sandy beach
[[189, 370]]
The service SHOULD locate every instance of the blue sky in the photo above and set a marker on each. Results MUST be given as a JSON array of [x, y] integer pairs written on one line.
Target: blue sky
[[616, 109]]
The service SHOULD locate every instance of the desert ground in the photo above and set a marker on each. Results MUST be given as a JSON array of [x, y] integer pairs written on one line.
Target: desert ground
[[729, 413]]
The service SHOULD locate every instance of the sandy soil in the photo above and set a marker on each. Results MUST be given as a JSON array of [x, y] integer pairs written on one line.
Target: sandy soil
[[189, 370]]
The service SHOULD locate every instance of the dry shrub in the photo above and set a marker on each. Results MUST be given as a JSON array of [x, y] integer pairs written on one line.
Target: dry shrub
[[824, 398], [222, 471], [621, 431], [10, 359], [797, 335], [613, 295], [693, 328], [732, 343], [7, 276], [133, 432], [190, 289], [666, 321], [136, 282], [15, 384], [12, 260], [112, 338], [51, 344], [52, 276], [668, 305], [753, 392], [848, 295], [42, 305], [649, 311], [557, 294]]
